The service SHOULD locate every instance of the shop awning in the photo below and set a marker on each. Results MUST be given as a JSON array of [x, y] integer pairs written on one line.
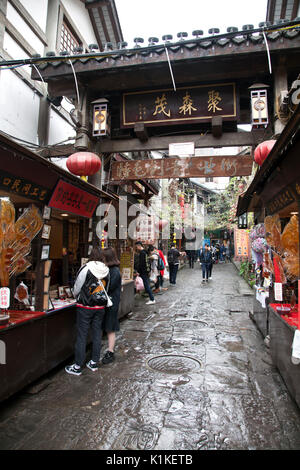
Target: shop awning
[[290, 135], [28, 176]]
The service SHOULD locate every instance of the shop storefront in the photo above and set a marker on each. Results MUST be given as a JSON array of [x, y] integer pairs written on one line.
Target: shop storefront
[[47, 230], [274, 198]]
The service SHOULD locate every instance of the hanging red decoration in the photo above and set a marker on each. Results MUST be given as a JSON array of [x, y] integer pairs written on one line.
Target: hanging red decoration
[[161, 224], [262, 151], [83, 163]]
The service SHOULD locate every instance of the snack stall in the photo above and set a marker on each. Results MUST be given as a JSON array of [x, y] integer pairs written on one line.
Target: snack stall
[[46, 233], [274, 197]]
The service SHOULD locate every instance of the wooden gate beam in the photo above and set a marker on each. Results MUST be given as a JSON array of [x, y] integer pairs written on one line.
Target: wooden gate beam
[[228, 139]]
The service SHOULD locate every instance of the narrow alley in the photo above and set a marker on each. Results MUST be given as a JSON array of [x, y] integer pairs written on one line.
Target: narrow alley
[[192, 372]]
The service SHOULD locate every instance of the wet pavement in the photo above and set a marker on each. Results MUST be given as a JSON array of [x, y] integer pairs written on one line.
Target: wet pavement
[[192, 372]]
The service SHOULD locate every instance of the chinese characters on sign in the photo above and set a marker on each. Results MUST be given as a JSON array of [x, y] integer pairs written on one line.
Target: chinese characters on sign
[[69, 198], [241, 240], [23, 187], [192, 104], [283, 199], [188, 167]]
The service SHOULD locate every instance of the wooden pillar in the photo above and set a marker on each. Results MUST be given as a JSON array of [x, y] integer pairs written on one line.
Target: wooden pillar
[[82, 140], [280, 84]]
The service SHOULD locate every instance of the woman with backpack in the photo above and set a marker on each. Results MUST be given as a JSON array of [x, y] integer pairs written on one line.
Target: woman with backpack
[[161, 264], [111, 322], [91, 301]]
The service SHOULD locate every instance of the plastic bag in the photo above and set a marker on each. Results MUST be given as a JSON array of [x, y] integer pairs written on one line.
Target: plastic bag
[[139, 285], [166, 275]]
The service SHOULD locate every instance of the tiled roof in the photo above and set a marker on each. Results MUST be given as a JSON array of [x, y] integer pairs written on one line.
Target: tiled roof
[[280, 35]]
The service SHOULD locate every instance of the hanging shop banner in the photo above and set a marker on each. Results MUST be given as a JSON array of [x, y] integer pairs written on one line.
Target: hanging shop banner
[[183, 106], [241, 242], [126, 265], [69, 198], [187, 167], [23, 187]]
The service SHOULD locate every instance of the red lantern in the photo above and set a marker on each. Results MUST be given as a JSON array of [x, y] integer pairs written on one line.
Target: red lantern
[[262, 151], [83, 164]]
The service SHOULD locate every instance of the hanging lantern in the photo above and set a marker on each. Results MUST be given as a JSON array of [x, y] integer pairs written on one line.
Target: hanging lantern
[[259, 105], [83, 164], [101, 120], [262, 151]]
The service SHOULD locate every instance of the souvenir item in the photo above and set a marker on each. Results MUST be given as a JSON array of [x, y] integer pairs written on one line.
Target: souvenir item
[[15, 239], [278, 269], [21, 293], [273, 231], [290, 235]]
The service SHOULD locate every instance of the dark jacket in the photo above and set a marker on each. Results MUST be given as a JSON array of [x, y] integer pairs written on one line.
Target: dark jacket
[[205, 257], [173, 256], [114, 288], [141, 265]]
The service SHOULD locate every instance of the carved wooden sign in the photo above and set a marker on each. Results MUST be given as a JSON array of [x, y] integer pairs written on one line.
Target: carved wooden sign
[[188, 167], [183, 106]]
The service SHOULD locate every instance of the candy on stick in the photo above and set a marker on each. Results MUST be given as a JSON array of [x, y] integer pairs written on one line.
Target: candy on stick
[[278, 269], [7, 220], [273, 230], [15, 239], [290, 235]]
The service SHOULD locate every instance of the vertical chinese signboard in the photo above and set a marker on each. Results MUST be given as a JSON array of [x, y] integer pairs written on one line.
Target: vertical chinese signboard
[[241, 244], [183, 106]]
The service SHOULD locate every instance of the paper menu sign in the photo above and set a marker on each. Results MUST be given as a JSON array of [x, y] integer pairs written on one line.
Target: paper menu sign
[[278, 291], [296, 348], [4, 297]]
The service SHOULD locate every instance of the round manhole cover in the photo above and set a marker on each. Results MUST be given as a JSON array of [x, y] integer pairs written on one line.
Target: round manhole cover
[[195, 323], [173, 364]]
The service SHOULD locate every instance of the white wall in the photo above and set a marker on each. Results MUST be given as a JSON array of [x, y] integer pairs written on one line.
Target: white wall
[[59, 129], [19, 108], [18, 22], [80, 16], [38, 10]]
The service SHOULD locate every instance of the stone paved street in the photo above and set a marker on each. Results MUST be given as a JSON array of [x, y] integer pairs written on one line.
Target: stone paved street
[[191, 373]]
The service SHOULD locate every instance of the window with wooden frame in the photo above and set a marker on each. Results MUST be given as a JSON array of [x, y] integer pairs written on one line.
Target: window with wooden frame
[[68, 38]]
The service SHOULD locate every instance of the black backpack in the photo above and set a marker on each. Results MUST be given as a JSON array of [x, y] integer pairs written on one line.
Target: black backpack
[[171, 256], [92, 293]]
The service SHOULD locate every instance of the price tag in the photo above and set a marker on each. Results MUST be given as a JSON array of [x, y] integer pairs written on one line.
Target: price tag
[[296, 348], [4, 297], [278, 291]]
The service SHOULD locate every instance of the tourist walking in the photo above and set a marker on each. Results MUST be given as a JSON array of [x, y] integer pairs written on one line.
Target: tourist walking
[[153, 258], [191, 257], [143, 270], [173, 261], [205, 260], [161, 264], [212, 262], [110, 321], [89, 316]]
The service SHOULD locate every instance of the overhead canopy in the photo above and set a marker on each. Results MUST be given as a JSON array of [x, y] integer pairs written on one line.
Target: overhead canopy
[[281, 168], [28, 176]]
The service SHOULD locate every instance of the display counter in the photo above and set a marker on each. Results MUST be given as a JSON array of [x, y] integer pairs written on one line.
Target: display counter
[[37, 342], [260, 313], [127, 298], [282, 329]]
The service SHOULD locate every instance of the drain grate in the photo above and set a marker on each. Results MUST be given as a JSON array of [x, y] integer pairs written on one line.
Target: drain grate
[[174, 364]]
